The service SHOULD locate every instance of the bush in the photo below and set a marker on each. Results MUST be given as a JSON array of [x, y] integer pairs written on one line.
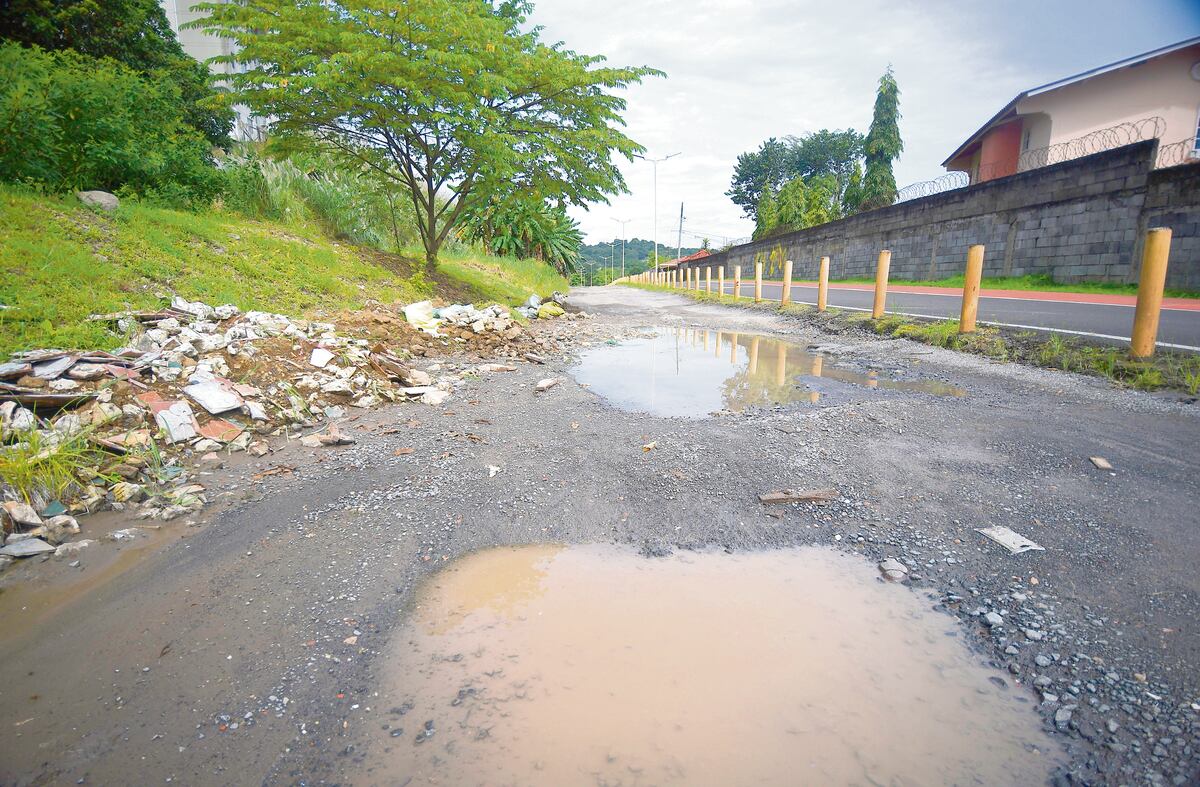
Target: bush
[[68, 121]]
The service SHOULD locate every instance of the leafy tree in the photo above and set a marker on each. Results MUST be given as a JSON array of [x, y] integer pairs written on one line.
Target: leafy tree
[[777, 162], [133, 32], [766, 215], [68, 121], [853, 194], [807, 202], [521, 225], [883, 146], [452, 100]]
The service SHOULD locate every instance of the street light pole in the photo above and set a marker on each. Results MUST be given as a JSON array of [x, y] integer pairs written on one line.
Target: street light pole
[[622, 222], [655, 162]]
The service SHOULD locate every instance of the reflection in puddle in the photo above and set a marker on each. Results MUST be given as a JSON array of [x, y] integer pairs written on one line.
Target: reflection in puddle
[[691, 372], [593, 665]]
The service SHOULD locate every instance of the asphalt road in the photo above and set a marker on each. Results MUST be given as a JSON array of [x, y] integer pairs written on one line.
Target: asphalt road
[[1177, 328]]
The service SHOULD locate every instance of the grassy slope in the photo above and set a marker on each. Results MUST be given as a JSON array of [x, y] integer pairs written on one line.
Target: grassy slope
[[60, 262]]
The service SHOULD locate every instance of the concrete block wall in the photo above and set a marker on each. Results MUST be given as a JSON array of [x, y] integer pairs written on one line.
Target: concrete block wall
[[1081, 220]]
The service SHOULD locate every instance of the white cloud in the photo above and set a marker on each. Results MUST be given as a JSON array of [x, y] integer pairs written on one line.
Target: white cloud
[[740, 72]]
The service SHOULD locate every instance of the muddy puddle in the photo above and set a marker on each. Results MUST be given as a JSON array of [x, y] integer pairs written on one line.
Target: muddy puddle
[[592, 665], [692, 372]]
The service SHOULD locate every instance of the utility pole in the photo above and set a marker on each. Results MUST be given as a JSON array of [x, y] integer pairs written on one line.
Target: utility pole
[[679, 240], [622, 222], [655, 162]]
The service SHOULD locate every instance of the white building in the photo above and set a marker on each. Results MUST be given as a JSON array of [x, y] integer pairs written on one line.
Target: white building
[[203, 46]]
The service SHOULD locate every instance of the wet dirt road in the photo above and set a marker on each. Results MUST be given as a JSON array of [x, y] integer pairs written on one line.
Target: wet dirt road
[[260, 646]]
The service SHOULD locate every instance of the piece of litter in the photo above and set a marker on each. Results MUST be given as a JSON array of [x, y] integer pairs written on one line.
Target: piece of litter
[[1101, 462], [1014, 542], [214, 397], [320, 357], [798, 496], [650, 446], [492, 470]]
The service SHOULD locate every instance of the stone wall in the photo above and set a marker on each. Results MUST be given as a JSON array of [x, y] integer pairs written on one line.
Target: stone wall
[[1081, 220]]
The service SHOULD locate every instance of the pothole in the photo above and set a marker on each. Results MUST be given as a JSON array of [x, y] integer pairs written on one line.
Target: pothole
[[692, 372], [551, 665]]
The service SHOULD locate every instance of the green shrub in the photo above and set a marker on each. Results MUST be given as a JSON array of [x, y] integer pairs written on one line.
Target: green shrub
[[68, 121]]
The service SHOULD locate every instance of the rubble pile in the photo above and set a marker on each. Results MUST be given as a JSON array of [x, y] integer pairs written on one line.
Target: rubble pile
[[195, 381]]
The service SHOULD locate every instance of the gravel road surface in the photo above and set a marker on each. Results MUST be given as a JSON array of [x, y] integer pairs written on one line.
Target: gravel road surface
[[245, 646]]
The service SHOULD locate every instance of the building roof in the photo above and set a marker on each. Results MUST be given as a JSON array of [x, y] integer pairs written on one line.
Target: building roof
[[1010, 109], [690, 258]]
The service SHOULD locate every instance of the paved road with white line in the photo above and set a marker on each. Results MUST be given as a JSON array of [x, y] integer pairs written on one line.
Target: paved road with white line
[[1178, 328]]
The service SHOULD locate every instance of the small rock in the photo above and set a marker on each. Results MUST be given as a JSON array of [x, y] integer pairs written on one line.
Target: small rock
[[546, 385], [126, 492], [26, 548], [73, 548], [893, 570], [59, 528], [98, 199], [22, 513], [993, 619]]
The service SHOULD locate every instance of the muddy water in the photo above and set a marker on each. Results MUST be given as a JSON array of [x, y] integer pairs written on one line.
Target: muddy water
[[692, 372], [546, 665]]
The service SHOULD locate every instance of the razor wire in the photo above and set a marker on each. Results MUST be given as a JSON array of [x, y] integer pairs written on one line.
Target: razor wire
[[1098, 141], [1185, 151]]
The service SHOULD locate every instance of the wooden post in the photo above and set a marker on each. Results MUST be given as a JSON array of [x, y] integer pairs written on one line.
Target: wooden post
[[970, 299], [753, 356], [708, 279], [733, 345], [1150, 292], [787, 283], [881, 278], [721, 280], [823, 285], [780, 364], [758, 269], [737, 282]]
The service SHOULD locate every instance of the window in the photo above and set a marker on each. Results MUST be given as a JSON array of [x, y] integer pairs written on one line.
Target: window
[[1196, 139], [1025, 137]]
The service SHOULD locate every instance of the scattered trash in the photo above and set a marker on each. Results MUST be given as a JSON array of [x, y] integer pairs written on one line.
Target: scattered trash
[[1101, 463], [1014, 542], [320, 357], [795, 496]]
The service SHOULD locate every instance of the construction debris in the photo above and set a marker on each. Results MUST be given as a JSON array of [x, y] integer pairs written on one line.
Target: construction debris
[[1101, 463], [1014, 542], [794, 496], [197, 382]]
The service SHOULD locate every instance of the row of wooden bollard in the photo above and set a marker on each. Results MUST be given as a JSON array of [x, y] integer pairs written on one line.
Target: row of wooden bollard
[[1151, 283]]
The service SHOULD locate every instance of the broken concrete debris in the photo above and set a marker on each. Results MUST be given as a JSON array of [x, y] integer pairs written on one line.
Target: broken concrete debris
[[1014, 542], [197, 382]]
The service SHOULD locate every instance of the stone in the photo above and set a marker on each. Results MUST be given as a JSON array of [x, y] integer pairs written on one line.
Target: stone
[[993, 619], [59, 528], [435, 397], [126, 492], [206, 446], [1033, 634], [73, 548], [1062, 718], [546, 385], [22, 514], [258, 448], [26, 548], [416, 377], [1042, 660], [101, 200]]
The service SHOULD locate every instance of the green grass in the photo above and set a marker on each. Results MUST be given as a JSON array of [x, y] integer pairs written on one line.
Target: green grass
[[34, 467], [60, 262], [1032, 282]]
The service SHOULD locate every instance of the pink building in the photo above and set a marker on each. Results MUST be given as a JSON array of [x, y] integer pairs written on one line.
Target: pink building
[[1156, 94]]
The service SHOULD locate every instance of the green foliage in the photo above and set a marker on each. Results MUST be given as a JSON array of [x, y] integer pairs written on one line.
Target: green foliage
[[766, 214], [777, 162], [454, 100], [807, 202], [133, 32], [38, 467], [520, 225], [68, 121], [852, 197], [883, 145]]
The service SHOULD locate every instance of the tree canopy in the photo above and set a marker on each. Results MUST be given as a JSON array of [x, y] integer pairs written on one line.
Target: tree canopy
[[883, 145], [133, 32], [778, 161], [454, 101]]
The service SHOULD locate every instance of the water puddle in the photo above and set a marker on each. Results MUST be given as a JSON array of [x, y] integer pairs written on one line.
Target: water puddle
[[545, 665], [691, 372]]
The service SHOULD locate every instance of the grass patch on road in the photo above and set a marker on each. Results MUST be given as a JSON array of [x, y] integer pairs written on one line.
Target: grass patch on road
[[61, 261], [1167, 370]]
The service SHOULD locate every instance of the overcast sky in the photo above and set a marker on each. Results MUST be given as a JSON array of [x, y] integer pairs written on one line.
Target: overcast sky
[[739, 72]]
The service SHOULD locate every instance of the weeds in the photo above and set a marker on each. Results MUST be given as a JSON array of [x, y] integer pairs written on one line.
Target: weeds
[[40, 466]]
